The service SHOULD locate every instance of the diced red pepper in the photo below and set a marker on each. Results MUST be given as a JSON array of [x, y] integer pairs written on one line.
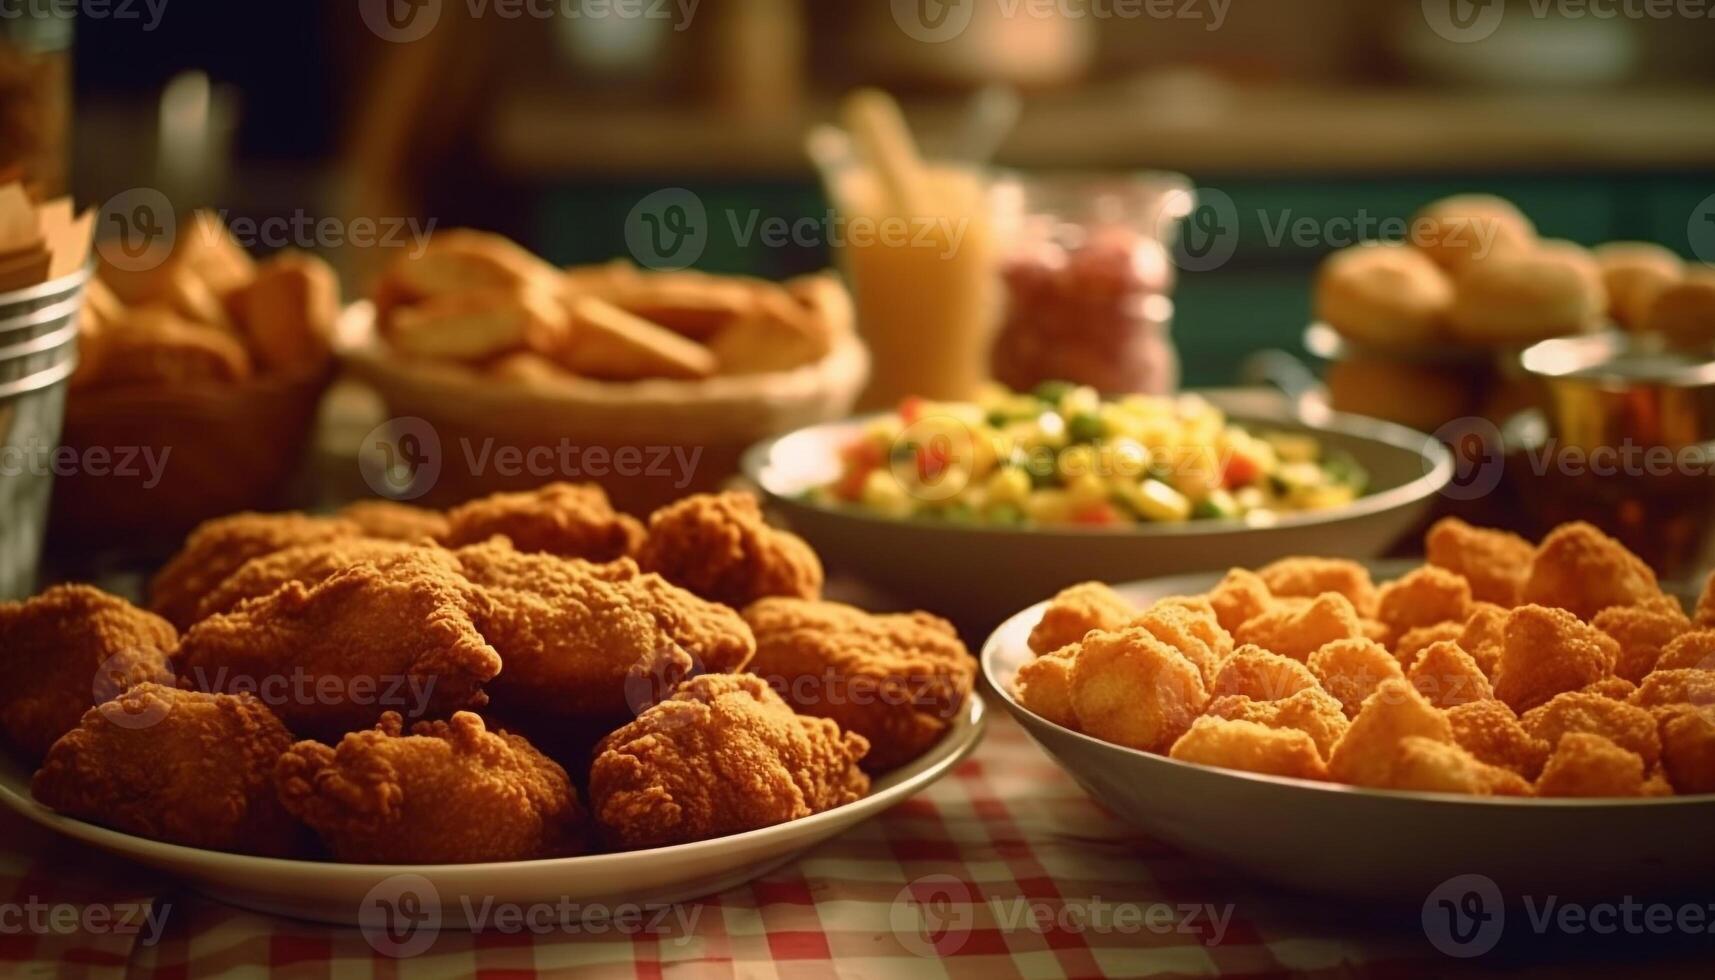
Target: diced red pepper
[[863, 454], [1240, 471], [933, 459], [849, 487], [911, 409], [1097, 514]]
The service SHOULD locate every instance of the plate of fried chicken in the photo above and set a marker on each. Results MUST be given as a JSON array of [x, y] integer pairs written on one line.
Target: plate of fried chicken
[[529, 698]]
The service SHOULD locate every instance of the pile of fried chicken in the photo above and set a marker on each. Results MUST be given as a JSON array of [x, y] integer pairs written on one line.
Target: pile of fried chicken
[[528, 675], [1500, 668]]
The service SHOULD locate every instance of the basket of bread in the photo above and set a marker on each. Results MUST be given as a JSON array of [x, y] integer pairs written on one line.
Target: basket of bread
[[581, 370]]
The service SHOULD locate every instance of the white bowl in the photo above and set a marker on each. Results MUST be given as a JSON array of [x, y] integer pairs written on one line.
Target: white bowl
[[1370, 844], [365, 894]]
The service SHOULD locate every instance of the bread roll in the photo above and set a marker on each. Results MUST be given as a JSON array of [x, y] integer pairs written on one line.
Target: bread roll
[[1513, 300], [1634, 274], [1383, 294], [1684, 312], [1466, 228]]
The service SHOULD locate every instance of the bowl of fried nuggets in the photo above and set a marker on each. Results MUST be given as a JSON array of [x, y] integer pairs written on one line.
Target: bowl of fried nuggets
[[493, 346], [528, 697], [1540, 713]]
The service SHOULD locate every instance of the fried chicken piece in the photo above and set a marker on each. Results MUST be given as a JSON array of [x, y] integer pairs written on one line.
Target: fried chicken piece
[[1077, 610], [1612, 688], [450, 792], [1240, 596], [1311, 711], [719, 547], [1447, 676], [65, 651], [1414, 642], [1131, 689], [1547, 651], [1642, 633], [1261, 675], [1630, 727], [1492, 733], [1688, 747], [1044, 686], [1351, 670], [587, 639], [1705, 614], [1485, 635], [1665, 687], [1191, 627], [332, 657], [1427, 765], [1423, 597], [177, 766], [217, 548], [395, 521], [723, 755], [1496, 563], [1692, 651], [1584, 764], [1580, 569], [1308, 578], [897, 680], [1249, 747], [308, 565], [1365, 755], [571, 520], [1297, 632]]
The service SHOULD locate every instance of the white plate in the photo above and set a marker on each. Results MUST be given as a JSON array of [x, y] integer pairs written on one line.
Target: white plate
[[353, 894], [1376, 844]]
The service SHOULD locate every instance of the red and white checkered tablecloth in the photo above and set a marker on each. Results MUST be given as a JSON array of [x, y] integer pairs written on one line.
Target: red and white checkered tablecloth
[[1004, 869]]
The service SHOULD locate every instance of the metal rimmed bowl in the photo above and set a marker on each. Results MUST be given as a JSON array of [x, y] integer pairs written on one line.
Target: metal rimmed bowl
[[977, 574], [1610, 388], [1370, 844]]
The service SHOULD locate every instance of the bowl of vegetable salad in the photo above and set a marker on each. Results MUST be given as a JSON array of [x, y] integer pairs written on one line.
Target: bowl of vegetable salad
[[973, 509]]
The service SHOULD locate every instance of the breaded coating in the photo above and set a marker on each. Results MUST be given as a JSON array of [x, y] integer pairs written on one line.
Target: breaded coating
[[1613, 688], [585, 639], [1490, 731], [395, 521], [1240, 596], [1250, 747], [177, 766], [1693, 651], [1351, 670], [1665, 687], [1365, 755], [718, 546], [217, 548], [1423, 597], [1131, 689], [1427, 765], [1485, 635], [1414, 642], [898, 680], [1447, 676], [450, 792], [1261, 676], [1580, 569], [330, 658], [1628, 726], [1190, 627], [1496, 563], [1308, 578], [1547, 651], [306, 564], [68, 649], [1078, 610], [572, 520], [1705, 614], [1688, 747], [1299, 632], [1044, 686], [1311, 711], [1642, 633], [723, 755], [1588, 765]]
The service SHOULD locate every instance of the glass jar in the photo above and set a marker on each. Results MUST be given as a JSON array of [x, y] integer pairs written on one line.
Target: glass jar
[[35, 98]]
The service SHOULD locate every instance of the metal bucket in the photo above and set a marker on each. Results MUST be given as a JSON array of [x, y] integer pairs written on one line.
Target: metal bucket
[[38, 352]]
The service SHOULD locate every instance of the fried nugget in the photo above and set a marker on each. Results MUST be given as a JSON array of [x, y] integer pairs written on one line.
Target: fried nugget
[[1630, 727], [1077, 610], [897, 680], [1261, 675], [1044, 686], [450, 792], [1423, 597], [1239, 597], [1642, 633], [584, 639], [1428, 765], [1414, 642], [1365, 755], [1311, 711], [332, 657], [1580, 569], [308, 565], [723, 755], [1613, 688], [1688, 747], [1492, 733], [1351, 670], [1297, 632], [1249, 747], [1446, 676], [718, 546], [218, 547], [177, 766], [68, 649], [571, 520], [1308, 578], [1191, 627], [395, 521], [1692, 651], [1587, 765], [1705, 614], [1485, 635], [1665, 687], [1547, 651], [1131, 689], [1495, 563]]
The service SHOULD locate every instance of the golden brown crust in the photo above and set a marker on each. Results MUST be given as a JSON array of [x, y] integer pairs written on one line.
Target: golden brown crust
[[1297, 631], [306, 564], [1496, 563], [1075, 611], [1308, 578], [1580, 569], [218, 547], [571, 520], [1547, 651], [718, 546], [1490, 731], [1642, 632], [395, 521]]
